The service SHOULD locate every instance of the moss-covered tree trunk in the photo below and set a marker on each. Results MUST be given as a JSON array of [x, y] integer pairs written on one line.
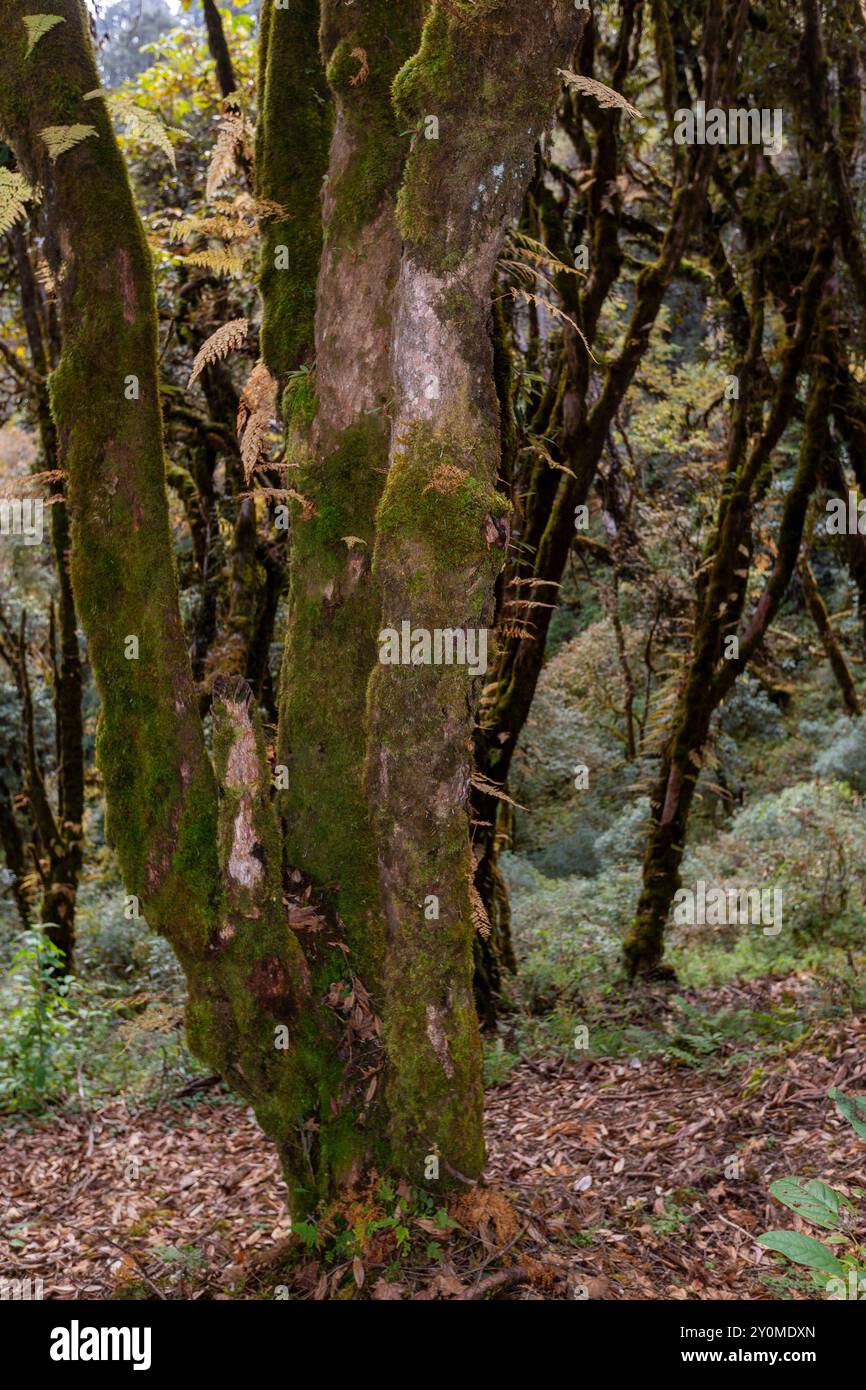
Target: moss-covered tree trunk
[[222, 912], [300, 917], [63, 852], [477, 95]]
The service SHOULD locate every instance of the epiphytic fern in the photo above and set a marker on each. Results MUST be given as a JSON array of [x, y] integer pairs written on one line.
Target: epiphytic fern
[[15, 191], [37, 25], [555, 311], [257, 412], [60, 138], [221, 261], [605, 96], [228, 338], [480, 920], [232, 144]]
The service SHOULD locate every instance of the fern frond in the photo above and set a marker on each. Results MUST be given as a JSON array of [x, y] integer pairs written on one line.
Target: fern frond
[[605, 96], [225, 225], [221, 261], [447, 478], [363, 72], [308, 508], [556, 312], [37, 25], [15, 191], [257, 410], [44, 277], [267, 208], [230, 144], [484, 784], [60, 138], [140, 123], [227, 338], [536, 253], [480, 920]]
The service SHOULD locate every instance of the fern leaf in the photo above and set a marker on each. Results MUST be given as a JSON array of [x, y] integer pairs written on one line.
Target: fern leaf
[[556, 312], [221, 224], [488, 788], [15, 191], [363, 72], [140, 123], [605, 96], [60, 138], [231, 142], [221, 261], [37, 25], [257, 410], [480, 920], [228, 338]]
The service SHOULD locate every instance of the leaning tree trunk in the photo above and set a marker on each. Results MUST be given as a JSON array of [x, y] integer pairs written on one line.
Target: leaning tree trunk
[[222, 912]]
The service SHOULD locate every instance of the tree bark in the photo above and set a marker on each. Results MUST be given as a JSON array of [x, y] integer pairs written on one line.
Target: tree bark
[[488, 77], [829, 641], [219, 49]]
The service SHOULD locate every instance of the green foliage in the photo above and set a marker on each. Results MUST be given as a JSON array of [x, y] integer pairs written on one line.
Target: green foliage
[[821, 1205], [33, 1057], [853, 1108]]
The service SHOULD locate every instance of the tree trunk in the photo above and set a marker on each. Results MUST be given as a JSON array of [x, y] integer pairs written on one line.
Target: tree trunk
[[219, 49], [711, 671], [441, 533], [829, 641]]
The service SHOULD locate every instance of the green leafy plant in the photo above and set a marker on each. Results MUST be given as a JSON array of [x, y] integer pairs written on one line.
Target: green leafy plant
[[38, 1022], [825, 1207]]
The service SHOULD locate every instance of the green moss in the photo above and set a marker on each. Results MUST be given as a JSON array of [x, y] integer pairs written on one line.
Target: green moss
[[329, 653], [386, 35], [292, 142], [299, 401]]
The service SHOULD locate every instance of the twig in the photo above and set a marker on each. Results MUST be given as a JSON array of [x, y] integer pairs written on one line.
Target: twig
[[501, 1279]]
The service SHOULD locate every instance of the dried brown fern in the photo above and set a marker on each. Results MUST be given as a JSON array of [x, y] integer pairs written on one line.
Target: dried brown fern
[[480, 920], [231, 145], [605, 96], [228, 338], [364, 70], [257, 410], [447, 478], [221, 261], [556, 312]]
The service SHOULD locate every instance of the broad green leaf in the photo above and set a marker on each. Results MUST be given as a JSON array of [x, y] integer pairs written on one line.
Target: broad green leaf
[[803, 1250], [812, 1199], [37, 25], [853, 1108]]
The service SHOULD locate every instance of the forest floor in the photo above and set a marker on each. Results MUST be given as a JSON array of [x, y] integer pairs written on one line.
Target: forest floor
[[611, 1179]]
